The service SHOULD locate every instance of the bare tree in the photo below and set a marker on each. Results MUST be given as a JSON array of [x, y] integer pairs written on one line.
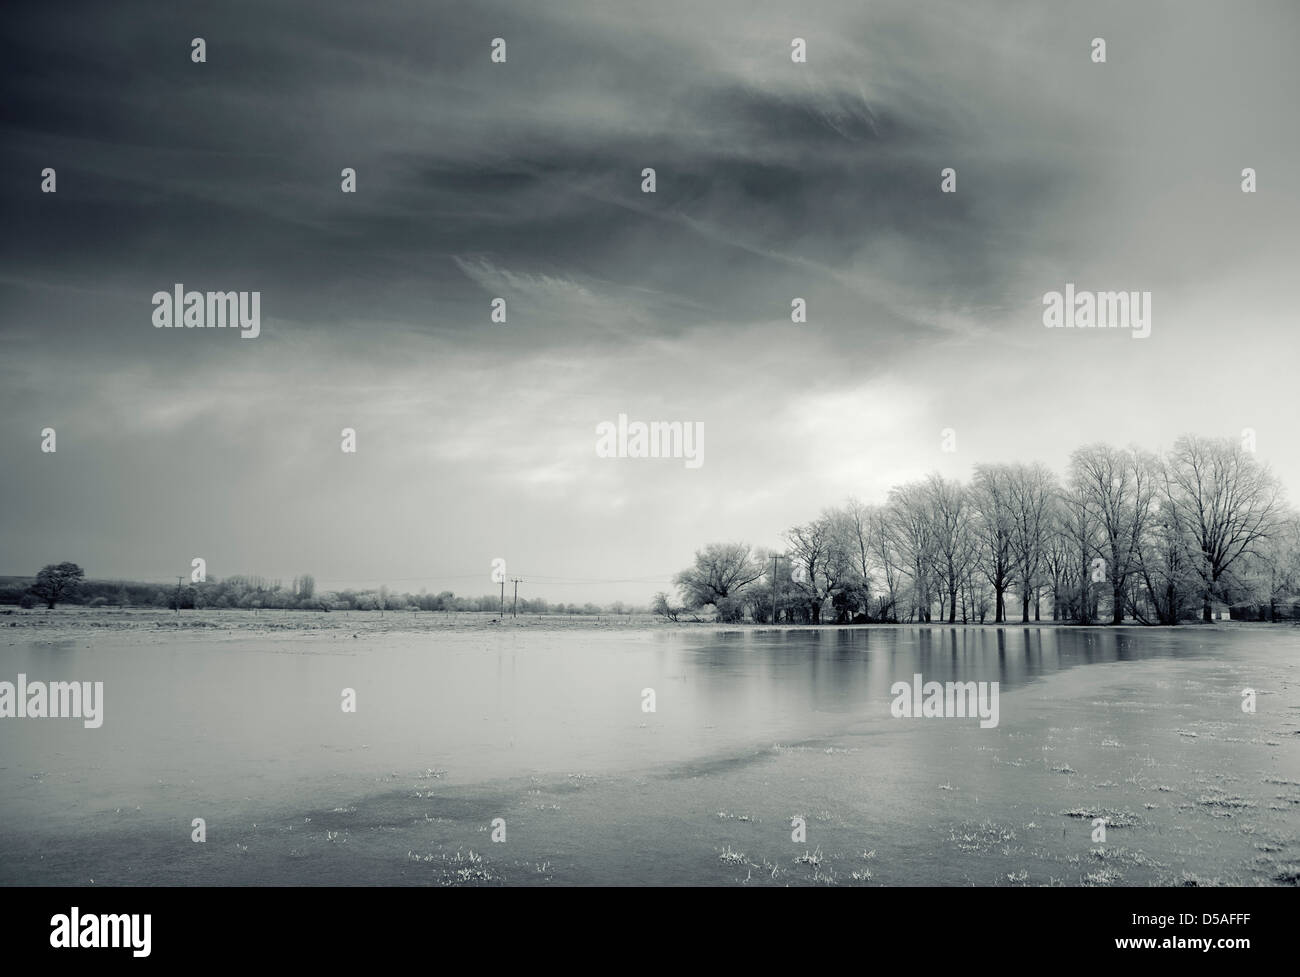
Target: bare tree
[[663, 607], [910, 523], [811, 555], [1033, 490], [1165, 564], [1229, 502], [1059, 560], [851, 558], [993, 528], [887, 557], [1274, 575], [1078, 526], [719, 576], [1116, 486], [954, 545]]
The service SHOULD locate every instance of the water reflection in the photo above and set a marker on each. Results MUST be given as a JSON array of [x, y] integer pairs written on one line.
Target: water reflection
[[261, 718]]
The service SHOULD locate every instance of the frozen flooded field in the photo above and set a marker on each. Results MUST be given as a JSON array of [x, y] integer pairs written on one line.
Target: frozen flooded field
[[547, 730]]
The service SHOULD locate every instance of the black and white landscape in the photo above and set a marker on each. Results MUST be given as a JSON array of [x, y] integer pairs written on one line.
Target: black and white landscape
[[605, 443]]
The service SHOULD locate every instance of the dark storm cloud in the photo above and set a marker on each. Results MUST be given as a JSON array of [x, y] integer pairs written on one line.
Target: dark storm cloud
[[228, 171]]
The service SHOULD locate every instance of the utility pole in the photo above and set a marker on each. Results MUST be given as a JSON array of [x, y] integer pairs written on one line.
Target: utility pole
[[178, 597], [514, 608], [503, 598], [774, 589]]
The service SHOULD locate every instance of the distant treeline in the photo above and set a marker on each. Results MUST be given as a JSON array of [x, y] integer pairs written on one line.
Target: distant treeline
[[255, 593]]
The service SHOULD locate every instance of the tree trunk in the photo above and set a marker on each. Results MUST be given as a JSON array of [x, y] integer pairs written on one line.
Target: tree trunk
[[1084, 587]]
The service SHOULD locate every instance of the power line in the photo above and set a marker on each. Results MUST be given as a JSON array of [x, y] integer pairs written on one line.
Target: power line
[[534, 577]]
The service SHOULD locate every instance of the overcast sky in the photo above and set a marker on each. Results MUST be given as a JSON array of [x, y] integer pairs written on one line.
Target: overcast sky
[[522, 180]]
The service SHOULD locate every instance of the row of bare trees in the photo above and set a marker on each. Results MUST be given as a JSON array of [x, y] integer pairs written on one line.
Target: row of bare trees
[[1123, 534]]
